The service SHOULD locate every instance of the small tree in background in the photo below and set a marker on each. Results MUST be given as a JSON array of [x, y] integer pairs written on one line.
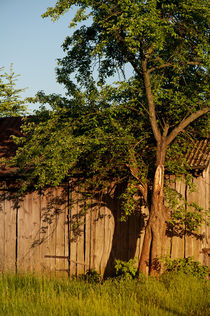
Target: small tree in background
[[11, 103]]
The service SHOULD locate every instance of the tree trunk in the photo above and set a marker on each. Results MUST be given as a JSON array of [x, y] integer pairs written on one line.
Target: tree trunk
[[153, 245]]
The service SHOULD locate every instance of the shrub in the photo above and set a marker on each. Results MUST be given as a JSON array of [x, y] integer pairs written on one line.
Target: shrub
[[187, 266], [126, 269], [91, 276]]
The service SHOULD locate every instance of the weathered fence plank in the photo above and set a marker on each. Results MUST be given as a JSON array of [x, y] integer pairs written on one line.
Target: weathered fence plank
[[2, 226]]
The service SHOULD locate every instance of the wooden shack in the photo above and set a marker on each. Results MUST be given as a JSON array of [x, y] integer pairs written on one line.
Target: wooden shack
[[57, 232]]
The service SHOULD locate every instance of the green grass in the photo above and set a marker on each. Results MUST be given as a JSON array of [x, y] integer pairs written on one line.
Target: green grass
[[174, 294]]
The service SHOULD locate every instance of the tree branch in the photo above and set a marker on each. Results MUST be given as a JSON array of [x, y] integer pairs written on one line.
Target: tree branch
[[151, 103], [165, 130], [149, 52], [194, 63], [133, 166], [129, 56], [159, 67], [185, 123]]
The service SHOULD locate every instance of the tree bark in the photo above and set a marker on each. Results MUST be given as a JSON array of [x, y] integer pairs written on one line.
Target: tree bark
[[153, 245]]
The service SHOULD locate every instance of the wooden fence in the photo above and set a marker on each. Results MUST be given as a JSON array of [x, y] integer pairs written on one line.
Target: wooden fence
[[57, 232]]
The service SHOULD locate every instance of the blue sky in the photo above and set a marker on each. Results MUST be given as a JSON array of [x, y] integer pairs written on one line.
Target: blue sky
[[32, 44]]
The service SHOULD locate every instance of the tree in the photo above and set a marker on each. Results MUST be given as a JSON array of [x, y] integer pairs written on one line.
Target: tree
[[10, 101], [132, 131]]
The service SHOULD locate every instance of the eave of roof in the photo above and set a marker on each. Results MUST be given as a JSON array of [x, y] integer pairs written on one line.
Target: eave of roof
[[199, 156]]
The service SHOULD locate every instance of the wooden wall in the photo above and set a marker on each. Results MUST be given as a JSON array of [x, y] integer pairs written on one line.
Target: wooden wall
[[193, 246], [56, 232]]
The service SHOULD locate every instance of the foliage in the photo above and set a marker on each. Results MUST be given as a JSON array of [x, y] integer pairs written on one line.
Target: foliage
[[103, 131], [91, 276], [171, 34], [125, 269], [186, 218], [10, 101], [187, 266], [83, 139], [38, 296]]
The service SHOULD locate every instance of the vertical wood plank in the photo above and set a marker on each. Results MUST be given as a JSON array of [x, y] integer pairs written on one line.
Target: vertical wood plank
[[94, 241], [2, 226], [172, 184], [99, 236], [87, 237], [51, 220], [48, 226], [103, 255], [28, 233], [80, 238], [34, 246], [25, 234], [60, 233], [73, 234], [10, 236], [205, 243], [178, 243], [90, 237], [145, 214]]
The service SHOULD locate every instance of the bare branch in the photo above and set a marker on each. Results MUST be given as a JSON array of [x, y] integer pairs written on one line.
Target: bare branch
[[184, 123]]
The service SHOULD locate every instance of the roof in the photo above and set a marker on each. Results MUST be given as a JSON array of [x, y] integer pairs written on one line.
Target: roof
[[8, 126], [197, 158]]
